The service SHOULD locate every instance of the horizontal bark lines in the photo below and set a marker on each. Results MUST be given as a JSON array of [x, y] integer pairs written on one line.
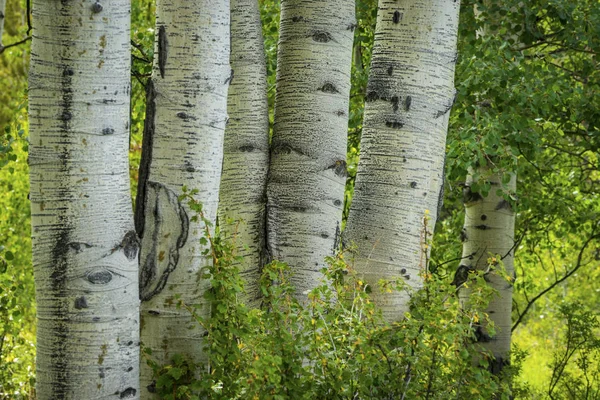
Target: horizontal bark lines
[[84, 245], [246, 147], [400, 173], [185, 132], [307, 176], [488, 236]]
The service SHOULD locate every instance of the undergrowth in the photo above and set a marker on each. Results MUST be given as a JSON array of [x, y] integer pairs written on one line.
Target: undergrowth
[[336, 344]]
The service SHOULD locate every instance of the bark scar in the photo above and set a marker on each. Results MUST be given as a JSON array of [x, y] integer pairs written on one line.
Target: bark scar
[[166, 233], [144, 170], [162, 50]]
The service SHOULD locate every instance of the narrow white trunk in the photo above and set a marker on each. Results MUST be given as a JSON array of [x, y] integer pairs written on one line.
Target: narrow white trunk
[[85, 250], [400, 173], [183, 146], [246, 148], [305, 190], [489, 233]]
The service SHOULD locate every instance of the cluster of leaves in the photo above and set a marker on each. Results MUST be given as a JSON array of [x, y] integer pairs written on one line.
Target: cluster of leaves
[[17, 309], [335, 344], [528, 92], [576, 366]]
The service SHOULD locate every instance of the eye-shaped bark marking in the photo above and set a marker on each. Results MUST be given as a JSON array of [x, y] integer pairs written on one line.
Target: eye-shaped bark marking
[[166, 231]]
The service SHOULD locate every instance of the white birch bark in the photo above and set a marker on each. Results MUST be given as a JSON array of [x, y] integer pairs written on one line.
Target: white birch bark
[[400, 172], [489, 233], [246, 147], [183, 146], [305, 189], [85, 250]]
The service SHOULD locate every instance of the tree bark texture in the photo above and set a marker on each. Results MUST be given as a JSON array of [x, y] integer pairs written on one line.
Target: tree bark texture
[[305, 189], [85, 250], [183, 146], [246, 147], [488, 233], [400, 173]]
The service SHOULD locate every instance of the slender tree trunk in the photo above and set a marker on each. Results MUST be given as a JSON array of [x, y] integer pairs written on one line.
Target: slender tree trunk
[[488, 235], [84, 245], [183, 146], [246, 148], [307, 173], [400, 173], [488, 232]]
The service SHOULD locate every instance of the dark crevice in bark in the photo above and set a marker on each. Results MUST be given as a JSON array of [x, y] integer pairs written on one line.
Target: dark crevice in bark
[[144, 169], [162, 50]]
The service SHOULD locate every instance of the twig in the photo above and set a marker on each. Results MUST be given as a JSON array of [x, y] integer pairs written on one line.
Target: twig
[[557, 282], [2, 48]]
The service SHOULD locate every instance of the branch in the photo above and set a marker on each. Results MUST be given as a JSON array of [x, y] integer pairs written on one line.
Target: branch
[[2, 48], [557, 282]]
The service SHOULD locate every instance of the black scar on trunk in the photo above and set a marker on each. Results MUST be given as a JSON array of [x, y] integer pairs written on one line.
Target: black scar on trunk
[[162, 50], [146, 160]]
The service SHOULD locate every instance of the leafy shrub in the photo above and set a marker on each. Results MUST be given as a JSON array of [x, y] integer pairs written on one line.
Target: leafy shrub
[[335, 344]]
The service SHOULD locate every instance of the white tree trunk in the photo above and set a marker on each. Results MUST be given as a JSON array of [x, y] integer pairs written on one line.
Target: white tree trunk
[[85, 250], [305, 190], [183, 146], [400, 172], [246, 148], [489, 233]]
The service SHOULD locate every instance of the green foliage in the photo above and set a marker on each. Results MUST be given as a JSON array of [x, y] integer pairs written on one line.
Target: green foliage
[[335, 344], [576, 365], [17, 308]]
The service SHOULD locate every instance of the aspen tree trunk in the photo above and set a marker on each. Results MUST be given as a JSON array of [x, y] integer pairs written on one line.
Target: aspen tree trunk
[[85, 250], [488, 235], [246, 148], [307, 175], [400, 173], [183, 146], [488, 232]]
